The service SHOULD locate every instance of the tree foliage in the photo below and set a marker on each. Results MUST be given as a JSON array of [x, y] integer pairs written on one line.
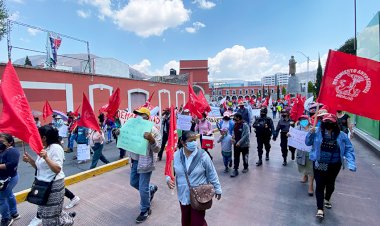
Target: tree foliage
[[27, 61], [283, 91], [311, 88], [319, 78], [3, 19], [348, 47], [278, 92]]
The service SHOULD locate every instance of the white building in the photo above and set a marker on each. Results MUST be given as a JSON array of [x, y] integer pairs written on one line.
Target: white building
[[276, 79]]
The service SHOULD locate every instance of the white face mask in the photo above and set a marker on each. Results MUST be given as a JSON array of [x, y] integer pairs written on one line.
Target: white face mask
[[139, 116]]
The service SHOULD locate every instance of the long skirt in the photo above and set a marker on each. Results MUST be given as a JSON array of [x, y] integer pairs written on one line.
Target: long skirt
[[51, 213]]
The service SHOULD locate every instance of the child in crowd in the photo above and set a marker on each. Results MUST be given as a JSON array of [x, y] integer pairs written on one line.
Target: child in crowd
[[226, 142]]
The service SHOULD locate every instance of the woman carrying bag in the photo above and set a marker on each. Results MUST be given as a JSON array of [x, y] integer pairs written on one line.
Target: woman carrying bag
[[193, 168], [9, 157], [48, 167]]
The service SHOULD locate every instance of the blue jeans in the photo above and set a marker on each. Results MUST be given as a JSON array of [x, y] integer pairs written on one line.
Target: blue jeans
[[140, 181], [109, 134], [227, 158], [98, 155], [8, 205], [71, 141]]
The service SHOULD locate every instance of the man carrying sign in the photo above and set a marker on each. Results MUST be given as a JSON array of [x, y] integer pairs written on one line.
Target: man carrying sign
[[143, 166]]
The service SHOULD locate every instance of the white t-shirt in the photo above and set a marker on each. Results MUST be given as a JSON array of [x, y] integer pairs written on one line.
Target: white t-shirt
[[44, 173]]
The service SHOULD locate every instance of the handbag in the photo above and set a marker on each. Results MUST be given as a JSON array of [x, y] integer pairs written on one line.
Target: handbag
[[200, 196], [4, 184], [40, 191]]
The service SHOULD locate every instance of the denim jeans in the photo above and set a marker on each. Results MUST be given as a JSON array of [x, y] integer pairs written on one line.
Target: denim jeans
[[109, 134], [8, 205], [98, 155], [140, 181], [71, 141], [227, 158]]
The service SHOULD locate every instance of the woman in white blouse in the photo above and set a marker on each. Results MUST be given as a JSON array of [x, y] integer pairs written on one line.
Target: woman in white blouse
[[48, 167]]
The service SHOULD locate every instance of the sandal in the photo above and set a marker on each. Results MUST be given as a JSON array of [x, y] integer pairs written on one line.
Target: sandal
[[320, 215], [328, 204]]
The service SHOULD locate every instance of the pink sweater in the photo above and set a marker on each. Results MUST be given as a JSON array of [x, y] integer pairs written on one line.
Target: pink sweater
[[204, 127]]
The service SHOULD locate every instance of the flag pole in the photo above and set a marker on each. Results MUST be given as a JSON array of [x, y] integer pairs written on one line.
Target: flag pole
[[316, 116]]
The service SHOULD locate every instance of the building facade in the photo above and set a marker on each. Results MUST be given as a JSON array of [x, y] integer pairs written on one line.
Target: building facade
[[235, 93], [276, 79]]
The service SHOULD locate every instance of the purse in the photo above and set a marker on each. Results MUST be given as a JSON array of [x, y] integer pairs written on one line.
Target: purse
[[40, 191], [200, 196], [4, 184]]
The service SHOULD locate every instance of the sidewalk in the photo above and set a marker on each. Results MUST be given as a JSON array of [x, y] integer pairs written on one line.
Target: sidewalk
[[266, 195]]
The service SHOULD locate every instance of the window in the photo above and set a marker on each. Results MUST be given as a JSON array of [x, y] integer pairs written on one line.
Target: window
[[240, 92], [272, 91], [227, 92], [252, 91], [246, 91], [233, 92], [220, 92]]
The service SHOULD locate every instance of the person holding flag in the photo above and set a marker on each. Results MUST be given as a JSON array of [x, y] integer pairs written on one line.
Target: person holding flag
[[192, 167]]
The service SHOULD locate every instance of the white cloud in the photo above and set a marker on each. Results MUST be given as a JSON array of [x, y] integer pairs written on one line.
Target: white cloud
[[17, 1], [144, 17], [196, 26], [145, 67], [84, 14], [204, 4], [33, 32], [15, 16]]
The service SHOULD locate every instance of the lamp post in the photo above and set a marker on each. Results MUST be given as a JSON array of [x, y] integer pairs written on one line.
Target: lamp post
[[307, 75]]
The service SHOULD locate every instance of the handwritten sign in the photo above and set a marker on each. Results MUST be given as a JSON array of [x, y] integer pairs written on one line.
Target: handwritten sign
[[184, 122], [83, 151], [63, 131], [297, 139], [124, 116], [215, 112], [131, 136]]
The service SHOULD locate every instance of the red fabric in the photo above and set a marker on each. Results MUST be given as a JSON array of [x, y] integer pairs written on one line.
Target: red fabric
[[298, 108], [287, 98], [103, 108], [87, 118], [47, 110], [192, 217], [17, 118], [205, 106], [351, 84], [113, 104], [172, 144], [147, 103], [193, 103], [76, 112]]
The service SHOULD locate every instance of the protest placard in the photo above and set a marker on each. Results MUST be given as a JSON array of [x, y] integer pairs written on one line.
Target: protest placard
[[83, 152], [184, 122], [63, 131], [131, 136], [215, 112], [297, 139]]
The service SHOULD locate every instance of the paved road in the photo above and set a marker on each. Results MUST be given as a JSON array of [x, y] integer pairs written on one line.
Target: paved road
[[267, 195]]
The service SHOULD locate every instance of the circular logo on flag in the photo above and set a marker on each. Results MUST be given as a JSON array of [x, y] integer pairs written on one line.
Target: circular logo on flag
[[350, 83]]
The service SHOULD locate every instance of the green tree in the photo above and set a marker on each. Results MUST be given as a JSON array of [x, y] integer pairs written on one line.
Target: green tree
[[27, 61], [263, 92], [3, 19], [278, 92], [348, 47], [311, 88], [319, 78], [283, 91]]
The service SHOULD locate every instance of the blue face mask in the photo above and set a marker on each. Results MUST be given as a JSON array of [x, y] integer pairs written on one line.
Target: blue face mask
[[304, 123], [319, 124], [192, 145]]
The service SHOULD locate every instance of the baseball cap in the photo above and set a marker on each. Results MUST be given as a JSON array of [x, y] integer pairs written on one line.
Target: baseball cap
[[329, 117], [142, 110]]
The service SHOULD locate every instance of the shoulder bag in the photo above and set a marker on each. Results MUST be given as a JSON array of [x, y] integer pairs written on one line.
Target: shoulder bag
[[40, 191], [200, 196]]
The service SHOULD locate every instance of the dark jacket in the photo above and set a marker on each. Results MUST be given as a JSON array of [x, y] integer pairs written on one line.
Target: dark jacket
[[10, 158], [283, 125], [263, 126]]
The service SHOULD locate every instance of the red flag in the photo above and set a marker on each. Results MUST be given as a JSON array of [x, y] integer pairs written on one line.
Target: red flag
[[147, 103], [351, 84], [47, 110], [287, 98], [76, 112], [103, 108], [17, 118], [193, 103], [298, 108], [113, 104], [205, 106], [87, 118], [172, 144]]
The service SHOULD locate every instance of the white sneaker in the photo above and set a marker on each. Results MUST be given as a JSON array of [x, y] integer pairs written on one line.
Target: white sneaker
[[73, 202], [35, 222]]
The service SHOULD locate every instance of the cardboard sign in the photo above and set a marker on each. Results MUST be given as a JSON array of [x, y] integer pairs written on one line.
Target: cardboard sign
[[63, 131], [215, 112], [83, 152], [297, 139], [124, 116], [184, 122], [131, 136]]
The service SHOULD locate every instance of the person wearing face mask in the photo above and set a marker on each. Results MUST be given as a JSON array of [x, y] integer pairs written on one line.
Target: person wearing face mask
[[204, 127], [330, 149], [264, 129], [344, 122], [193, 161], [283, 126], [143, 166], [240, 139], [227, 123], [305, 165], [245, 114], [9, 157]]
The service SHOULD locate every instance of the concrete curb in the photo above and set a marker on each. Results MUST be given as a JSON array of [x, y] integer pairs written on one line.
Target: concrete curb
[[76, 178]]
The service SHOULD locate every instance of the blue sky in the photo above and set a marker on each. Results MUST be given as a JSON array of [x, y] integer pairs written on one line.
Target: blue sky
[[242, 39]]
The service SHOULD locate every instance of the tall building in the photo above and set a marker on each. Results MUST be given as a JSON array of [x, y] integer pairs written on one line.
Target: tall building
[[276, 79]]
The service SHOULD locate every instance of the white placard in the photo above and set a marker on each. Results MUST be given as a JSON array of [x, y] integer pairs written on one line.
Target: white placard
[[63, 131], [215, 112], [297, 139], [83, 152], [184, 122], [255, 112]]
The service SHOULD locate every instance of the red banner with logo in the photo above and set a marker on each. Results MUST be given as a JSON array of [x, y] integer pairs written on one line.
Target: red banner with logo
[[351, 84]]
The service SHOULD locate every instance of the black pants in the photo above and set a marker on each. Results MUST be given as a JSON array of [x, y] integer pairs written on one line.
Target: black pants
[[69, 194], [261, 142], [325, 180], [244, 151], [165, 137], [284, 146]]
